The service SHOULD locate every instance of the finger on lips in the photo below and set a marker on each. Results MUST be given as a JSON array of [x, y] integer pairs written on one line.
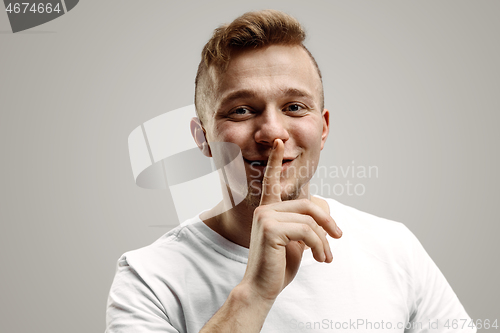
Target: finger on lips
[[308, 223], [271, 186]]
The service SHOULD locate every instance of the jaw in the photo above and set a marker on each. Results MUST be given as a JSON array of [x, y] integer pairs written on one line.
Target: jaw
[[290, 191]]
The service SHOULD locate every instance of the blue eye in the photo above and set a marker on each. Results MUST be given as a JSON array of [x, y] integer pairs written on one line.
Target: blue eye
[[240, 111], [294, 107]]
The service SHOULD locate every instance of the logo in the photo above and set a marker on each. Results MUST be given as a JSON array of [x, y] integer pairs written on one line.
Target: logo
[[163, 155]]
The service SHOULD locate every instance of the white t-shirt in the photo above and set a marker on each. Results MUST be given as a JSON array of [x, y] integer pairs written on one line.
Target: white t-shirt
[[381, 279]]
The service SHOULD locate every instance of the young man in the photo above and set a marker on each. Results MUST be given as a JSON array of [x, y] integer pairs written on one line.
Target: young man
[[277, 261]]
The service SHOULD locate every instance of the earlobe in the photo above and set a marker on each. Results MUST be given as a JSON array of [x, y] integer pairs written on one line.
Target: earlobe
[[199, 137], [326, 127]]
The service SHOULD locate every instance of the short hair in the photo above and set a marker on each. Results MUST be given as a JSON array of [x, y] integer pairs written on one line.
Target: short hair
[[249, 31]]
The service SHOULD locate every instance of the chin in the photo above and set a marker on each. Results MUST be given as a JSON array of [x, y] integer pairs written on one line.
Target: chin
[[289, 192]]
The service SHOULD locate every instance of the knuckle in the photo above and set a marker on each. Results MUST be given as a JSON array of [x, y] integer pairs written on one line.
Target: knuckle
[[306, 229], [267, 226], [259, 212], [305, 202], [311, 221]]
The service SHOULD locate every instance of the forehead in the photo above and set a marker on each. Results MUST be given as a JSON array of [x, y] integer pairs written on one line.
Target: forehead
[[269, 71]]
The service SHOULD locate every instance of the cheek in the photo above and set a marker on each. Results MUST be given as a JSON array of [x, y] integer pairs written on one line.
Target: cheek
[[233, 132], [307, 133]]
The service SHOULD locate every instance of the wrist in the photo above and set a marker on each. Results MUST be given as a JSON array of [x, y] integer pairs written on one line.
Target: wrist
[[248, 297], [242, 312]]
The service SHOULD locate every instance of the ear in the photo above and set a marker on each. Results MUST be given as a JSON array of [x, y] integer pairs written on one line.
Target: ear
[[198, 133], [326, 127]]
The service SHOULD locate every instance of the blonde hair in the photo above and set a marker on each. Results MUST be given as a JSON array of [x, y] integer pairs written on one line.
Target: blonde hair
[[249, 31]]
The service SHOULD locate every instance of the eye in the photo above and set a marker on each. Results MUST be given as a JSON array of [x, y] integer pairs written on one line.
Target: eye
[[295, 108], [240, 113]]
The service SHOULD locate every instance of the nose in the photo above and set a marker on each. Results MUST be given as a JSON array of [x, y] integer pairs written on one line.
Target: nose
[[272, 125]]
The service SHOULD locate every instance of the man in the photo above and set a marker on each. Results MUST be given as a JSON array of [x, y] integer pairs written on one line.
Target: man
[[277, 261]]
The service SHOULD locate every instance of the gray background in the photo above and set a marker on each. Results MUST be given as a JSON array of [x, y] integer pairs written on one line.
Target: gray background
[[413, 88]]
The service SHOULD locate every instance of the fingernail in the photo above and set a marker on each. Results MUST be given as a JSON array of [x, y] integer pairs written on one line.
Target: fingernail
[[275, 144], [338, 230]]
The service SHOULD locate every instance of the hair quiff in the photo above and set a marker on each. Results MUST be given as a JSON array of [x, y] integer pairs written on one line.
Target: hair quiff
[[250, 30]]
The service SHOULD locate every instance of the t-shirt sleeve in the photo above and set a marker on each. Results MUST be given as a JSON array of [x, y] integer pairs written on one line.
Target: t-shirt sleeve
[[132, 306], [436, 307]]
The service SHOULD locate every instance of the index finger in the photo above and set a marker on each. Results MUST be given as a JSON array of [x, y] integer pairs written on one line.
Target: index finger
[[271, 184]]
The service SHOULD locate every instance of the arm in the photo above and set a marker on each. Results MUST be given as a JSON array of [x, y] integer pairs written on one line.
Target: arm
[[132, 306], [280, 232], [243, 311]]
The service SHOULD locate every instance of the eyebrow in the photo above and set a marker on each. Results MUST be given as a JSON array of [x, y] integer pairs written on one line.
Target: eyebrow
[[293, 92], [245, 93], [239, 94]]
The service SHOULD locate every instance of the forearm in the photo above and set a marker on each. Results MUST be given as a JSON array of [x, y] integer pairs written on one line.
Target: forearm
[[241, 313]]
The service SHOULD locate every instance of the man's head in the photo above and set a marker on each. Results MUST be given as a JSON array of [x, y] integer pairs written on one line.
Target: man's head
[[257, 83], [250, 31]]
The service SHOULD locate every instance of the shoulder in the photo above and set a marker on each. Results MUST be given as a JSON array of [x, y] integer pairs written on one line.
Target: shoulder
[[149, 280], [168, 253]]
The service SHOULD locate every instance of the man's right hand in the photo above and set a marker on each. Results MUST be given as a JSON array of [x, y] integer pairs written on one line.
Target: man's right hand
[[280, 232]]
